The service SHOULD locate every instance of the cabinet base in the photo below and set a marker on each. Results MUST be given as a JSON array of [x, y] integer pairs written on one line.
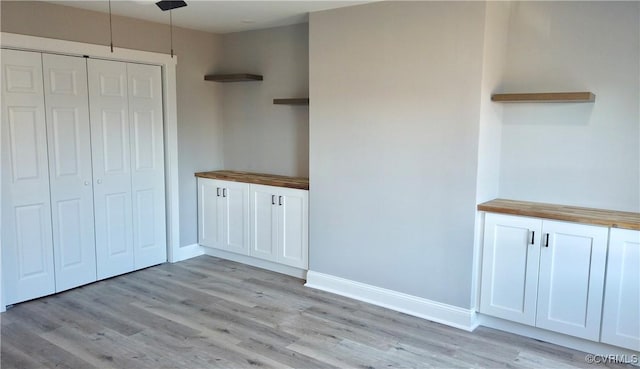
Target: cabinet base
[[268, 265], [591, 347]]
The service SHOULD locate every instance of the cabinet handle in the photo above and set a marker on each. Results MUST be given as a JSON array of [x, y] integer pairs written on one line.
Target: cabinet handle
[[280, 200], [86, 183], [533, 236], [546, 242], [224, 192], [273, 199], [218, 191]]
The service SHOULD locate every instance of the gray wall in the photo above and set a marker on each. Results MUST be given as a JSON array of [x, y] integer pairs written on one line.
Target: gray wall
[[199, 117], [395, 100], [576, 154], [496, 33], [259, 136]]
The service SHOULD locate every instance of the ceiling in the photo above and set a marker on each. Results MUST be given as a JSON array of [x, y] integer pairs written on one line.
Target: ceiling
[[217, 16]]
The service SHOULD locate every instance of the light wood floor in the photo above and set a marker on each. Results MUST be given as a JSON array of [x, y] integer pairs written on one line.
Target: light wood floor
[[211, 313]]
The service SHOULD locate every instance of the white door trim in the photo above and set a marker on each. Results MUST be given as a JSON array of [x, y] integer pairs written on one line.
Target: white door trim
[[168, 64]]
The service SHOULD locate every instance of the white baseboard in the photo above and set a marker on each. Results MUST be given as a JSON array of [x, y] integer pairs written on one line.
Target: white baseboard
[[259, 263], [423, 308], [560, 339], [186, 252]]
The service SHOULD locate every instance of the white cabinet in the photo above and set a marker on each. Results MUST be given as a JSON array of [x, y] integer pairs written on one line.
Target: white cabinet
[[264, 222], [571, 283], [510, 267], [279, 225], [209, 213], [544, 273], [82, 171], [621, 310], [27, 246], [223, 215]]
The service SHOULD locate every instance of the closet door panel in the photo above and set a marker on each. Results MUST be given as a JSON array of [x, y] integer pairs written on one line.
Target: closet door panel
[[147, 164], [27, 248], [69, 137], [110, 146]]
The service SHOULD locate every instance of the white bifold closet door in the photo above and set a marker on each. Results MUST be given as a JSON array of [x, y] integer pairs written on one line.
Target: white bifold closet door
[[111, 167], [147, 165], [70, 177], [27, 246], [128, 165]]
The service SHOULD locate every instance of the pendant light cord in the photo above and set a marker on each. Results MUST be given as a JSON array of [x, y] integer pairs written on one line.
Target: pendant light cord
[[171, 31], [110, 27]]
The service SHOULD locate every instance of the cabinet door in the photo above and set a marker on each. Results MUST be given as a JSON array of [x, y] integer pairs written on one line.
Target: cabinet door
[[263, 223], [621, 311], [210, 213], [147, 164], [510, 267], [293, 238], [69, 139], [235, 232], [572, 278], [110, 134], [27, 247]]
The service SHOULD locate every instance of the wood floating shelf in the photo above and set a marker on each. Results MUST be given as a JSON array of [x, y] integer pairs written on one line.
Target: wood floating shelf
[[237, 77], [545, 97], [292, 101]]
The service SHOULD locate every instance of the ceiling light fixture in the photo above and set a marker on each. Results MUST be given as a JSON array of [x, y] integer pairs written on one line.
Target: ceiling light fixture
[[170, 5]]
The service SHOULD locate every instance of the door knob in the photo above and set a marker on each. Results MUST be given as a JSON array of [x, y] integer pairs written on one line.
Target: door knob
[[99, 181], [86, 183]]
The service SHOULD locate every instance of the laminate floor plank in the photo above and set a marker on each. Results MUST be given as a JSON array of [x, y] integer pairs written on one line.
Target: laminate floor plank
[[105, 349], [65, 316], [190, 353], [95, 312], [206, 291], [312, 297], [132, 315], [434, 357], [135, 289], [216, 334], [211, 289], [227, 321], [24, 316], [39, 349], [311, 324], [11, 357], [242, 325], [212, 313], [228, 353], [283, 355]]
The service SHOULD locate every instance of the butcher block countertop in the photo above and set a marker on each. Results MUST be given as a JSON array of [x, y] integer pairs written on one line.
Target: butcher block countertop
[[607, 218], [257, 178]]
